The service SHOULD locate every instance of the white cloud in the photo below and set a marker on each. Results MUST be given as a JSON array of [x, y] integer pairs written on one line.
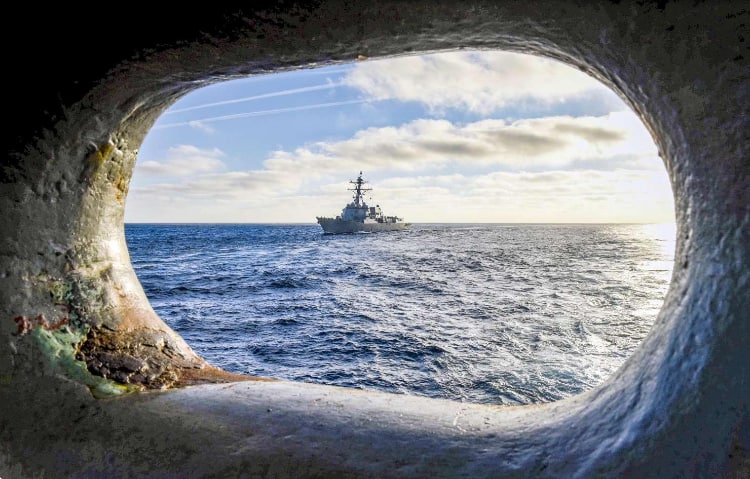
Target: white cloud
[[481, 82], [433, 144], [550, 169], [545, 169], [550, 196], [183, 160], [231, 185], [201, 126]]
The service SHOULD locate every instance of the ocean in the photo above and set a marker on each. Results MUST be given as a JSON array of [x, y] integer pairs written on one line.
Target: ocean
[[485, 313]]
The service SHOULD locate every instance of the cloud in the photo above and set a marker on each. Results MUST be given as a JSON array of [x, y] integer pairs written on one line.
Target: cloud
[[526, 149], [546, 169], [592, 133], [183, 160], [480, 82], [198, 125], [233, 185], [532, 144], [532, 167], [536, 156], [549, 196]]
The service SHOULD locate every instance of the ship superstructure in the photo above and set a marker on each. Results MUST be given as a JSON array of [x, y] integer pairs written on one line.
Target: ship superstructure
[[357, 216]]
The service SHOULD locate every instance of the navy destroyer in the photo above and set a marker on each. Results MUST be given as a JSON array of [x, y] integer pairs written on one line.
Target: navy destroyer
[[357, 217]]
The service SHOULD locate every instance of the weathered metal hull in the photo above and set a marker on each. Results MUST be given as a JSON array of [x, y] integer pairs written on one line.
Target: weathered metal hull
[[337, 226]]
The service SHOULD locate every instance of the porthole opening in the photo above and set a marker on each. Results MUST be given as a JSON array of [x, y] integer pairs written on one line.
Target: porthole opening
[[538, 254]]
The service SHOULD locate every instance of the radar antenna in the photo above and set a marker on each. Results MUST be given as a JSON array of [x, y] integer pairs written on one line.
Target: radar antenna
[[358, 190]]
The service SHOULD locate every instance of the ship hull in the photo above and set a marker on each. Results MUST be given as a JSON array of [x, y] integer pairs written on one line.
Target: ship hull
[[338, 226]]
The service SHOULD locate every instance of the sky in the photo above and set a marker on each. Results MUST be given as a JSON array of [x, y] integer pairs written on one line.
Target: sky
[[456, 137]]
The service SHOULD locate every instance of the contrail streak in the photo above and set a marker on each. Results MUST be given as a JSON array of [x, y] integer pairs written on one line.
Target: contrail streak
[[259, 113], [257, 97]]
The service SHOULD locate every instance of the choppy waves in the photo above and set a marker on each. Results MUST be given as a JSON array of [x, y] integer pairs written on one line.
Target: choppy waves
[[510, 314]]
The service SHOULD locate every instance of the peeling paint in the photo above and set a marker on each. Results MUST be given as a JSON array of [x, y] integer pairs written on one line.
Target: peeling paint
[[59, 348], [101, 155], [83, 346], [121, 185], [126, 358], [60, 291], [95, 160], [78, 297], [25, 324]]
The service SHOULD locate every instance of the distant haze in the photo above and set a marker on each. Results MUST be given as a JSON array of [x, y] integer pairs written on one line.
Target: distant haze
[[449, 137]]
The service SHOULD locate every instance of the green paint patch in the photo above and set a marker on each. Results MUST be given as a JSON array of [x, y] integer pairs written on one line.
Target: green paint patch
[[60, 291], [77, 296], [59, 347]]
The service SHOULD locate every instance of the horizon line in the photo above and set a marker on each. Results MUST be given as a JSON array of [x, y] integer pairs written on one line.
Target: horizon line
[[411, 223]]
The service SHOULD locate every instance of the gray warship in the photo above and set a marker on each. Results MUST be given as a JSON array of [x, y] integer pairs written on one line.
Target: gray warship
[[357, 217]]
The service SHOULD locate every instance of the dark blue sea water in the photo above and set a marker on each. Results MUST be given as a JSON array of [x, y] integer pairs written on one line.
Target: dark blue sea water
[[503, 314]]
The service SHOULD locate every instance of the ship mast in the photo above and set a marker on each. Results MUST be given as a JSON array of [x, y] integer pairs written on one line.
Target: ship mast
[[358, 190]]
